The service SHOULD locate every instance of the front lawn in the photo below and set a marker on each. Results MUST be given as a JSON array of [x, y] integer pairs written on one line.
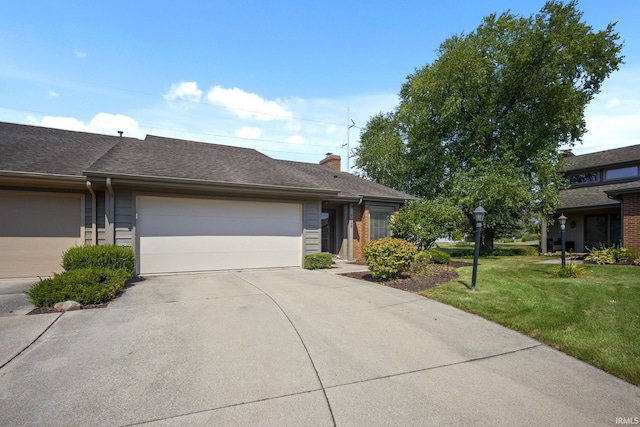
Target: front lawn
[[595, 318]]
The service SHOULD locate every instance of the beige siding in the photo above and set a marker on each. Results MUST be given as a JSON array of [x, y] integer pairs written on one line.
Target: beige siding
[[35, 229]]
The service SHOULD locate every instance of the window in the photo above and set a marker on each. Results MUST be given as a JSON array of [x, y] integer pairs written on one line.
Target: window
[[583, 178], [621, 173], [379, 224]]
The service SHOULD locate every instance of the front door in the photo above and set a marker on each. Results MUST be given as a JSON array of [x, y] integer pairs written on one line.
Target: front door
[[329, 230], [595, 231]]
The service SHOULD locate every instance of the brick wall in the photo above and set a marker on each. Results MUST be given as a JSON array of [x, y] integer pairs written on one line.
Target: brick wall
[[360, 231], [631, 221]]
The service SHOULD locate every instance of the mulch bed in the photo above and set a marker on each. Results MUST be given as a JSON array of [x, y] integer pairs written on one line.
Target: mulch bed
[[416, 283]]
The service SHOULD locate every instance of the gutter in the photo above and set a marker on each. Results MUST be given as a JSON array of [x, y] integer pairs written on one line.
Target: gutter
[[94, 237], [42, 179], [110, 213], [166, 183]]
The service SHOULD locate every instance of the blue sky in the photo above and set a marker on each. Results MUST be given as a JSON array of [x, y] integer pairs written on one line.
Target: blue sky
[[277, 76]]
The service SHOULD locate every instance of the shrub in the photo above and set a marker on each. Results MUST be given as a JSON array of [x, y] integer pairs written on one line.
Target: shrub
[[422, 262], [528, 251], [317, 261], [389, 257], [439, 257], [85, 286], [99, 256], [633, 254], [636, 261], [570, 270], [422, 222], [610, 255], [530, 237]]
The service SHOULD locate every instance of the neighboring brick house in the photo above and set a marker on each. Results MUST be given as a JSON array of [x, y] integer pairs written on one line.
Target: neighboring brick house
[[603, 202], [181, 205]]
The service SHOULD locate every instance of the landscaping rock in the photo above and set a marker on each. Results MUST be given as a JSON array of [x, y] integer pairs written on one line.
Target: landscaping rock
[[67, 306]]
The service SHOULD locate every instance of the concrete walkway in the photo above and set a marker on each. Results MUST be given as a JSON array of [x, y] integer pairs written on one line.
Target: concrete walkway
[[298, 348]]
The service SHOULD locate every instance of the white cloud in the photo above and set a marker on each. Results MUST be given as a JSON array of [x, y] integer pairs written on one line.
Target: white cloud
[[66, 123], [106, 121], [80, 55], [247, 132], [248, 105], [613, 116], [292, 126], [102, 123], [295, 139], [187, 91], [612, 103], [53, 94], [331, 129]]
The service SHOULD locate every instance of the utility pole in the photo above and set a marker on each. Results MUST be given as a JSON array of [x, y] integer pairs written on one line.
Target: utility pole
[[350, 124]]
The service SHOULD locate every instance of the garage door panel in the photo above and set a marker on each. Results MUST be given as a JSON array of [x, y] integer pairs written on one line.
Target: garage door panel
[[35, 229], [155, 225], [182, 234], [39, 216]]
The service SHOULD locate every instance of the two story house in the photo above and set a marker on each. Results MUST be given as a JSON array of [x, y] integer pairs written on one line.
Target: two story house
[[602, 203]]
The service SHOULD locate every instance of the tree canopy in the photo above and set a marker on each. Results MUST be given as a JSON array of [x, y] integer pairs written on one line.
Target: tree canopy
[[488, 118]]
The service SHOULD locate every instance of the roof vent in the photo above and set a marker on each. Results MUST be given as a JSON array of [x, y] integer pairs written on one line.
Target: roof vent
[[120, 133], [332, 161]]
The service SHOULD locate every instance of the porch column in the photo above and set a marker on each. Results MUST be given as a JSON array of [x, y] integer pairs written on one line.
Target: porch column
[[543, 235], [350, 233]]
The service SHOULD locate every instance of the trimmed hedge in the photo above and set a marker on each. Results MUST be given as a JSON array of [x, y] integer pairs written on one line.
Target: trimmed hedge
[[529, 251], [99, 256], [317, 261], [439, 257], [388, 258], [85, 286]]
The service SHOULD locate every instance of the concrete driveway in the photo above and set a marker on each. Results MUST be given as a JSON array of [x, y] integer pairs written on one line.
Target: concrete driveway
[[297, 348]]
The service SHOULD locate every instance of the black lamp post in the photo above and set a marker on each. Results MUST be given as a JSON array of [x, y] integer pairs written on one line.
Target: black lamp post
[[563, 224], [479, 216]]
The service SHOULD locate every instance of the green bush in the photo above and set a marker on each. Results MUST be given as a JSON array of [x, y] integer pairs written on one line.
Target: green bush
[[633, 254], [439, 257], [389, 257], [458, 252], [612, 255], [528, 251], [99, 256], [422, 263], [85, 286], [318, 260], [530, 237]]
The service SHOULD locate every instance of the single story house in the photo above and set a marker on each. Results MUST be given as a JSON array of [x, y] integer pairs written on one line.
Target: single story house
[[183, 206], [602, 203]]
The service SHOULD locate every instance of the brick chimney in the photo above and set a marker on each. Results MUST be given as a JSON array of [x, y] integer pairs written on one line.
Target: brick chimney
[[332, 161]]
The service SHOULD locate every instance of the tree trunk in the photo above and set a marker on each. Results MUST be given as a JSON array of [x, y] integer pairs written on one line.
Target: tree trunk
[[487, 239]]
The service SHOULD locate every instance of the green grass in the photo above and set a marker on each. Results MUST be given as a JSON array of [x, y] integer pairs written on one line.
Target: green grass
[[595, 318]]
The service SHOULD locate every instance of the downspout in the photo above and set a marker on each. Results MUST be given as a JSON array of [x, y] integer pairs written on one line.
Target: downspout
[[94, 236], [110, 220]]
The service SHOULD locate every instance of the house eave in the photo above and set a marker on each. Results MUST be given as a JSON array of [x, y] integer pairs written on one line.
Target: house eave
[[41, 180], [154, 183], [587, 208]]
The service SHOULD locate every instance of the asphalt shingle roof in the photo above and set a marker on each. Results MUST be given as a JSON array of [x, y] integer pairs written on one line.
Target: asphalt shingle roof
[[36, 149], [51, 151], [616, 156], [590, 196]]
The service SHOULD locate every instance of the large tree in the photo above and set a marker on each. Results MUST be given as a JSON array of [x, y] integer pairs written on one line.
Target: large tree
[[494, 109]]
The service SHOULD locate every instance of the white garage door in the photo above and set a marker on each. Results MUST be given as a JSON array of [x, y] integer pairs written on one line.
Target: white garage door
[[182, 234], [35, 229]]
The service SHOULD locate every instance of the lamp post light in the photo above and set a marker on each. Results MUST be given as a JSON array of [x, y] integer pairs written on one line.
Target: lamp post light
[[563, 224], [479, 216]]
